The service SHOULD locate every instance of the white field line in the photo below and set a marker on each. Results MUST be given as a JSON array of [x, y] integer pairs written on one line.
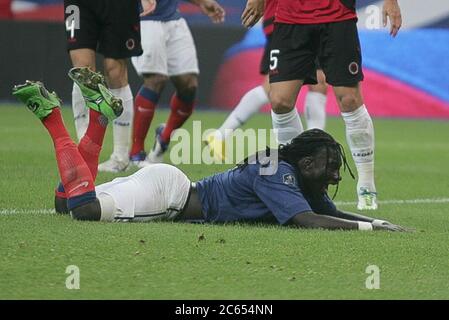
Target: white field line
[[338, 203], [409, 201]]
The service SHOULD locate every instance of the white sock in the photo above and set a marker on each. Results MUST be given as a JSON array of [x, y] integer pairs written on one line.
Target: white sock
[[315, 110], [122, 125], [360, 138], [80, 112], [286, 125], [250, 103]]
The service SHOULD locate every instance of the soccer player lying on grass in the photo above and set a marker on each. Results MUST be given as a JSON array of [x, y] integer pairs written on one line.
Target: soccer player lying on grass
[[295, 195]]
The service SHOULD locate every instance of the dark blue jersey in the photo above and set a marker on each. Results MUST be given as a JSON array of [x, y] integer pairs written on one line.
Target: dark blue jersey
[[166, 10], [245, 195]]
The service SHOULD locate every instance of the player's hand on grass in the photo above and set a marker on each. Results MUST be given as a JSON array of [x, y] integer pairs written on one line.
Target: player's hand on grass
[[392, 11], [148, 7], [388, 226], [213, 10], [253, 12]]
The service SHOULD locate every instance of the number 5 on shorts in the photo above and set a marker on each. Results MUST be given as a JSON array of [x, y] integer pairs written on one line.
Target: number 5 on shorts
[[274, 59]]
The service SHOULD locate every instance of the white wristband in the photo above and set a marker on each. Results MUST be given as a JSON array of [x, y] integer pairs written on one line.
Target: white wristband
[[378, 222], [365, 226]]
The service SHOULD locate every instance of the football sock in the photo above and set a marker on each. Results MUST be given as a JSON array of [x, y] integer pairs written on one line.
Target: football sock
[[360, 138], [181, 109], [73, 170], [315, 110], [90, 145], [144, 106], [250, 103], [122, 125], [286, 125], [80, 113]]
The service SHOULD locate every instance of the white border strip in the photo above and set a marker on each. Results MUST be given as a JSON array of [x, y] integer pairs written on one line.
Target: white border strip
[[410, 201]]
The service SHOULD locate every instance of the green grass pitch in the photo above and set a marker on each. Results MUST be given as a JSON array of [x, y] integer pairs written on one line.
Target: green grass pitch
[[193, 261]]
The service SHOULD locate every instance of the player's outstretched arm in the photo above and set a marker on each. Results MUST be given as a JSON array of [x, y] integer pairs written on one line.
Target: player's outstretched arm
[[253, 12], [311, 220], [392, 11], [212, 9], [358, 217]]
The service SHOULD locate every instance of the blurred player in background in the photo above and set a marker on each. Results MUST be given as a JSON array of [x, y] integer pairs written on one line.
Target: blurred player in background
[[111, 28], [295, 194], [305, 30], [168, 53], [256, 98]]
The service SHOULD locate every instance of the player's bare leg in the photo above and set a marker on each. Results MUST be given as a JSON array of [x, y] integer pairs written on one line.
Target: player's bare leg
[[286, 121], [81, 58], [315, 104], [116, 73], [360, 138]]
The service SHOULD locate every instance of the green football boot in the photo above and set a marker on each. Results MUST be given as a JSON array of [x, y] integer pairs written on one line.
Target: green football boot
[[95, 92], [36, 97]]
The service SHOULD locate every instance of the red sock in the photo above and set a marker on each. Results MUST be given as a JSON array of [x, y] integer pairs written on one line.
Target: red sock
[[144, 106], [91, 143], [180, 112], [73, 170]]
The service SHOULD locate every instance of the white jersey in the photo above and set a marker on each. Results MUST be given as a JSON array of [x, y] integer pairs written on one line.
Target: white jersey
[[158, 191]]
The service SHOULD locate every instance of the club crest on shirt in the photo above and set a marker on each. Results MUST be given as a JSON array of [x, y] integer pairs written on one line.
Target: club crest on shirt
[[289, 179]]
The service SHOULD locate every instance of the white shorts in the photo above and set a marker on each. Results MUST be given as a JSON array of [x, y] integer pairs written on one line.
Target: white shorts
[[159, 191], [168, 49]]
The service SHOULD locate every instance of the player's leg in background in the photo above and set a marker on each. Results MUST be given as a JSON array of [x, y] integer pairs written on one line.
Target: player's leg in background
[[118, 40], [81, 58], [360, 138], [315, 103], [341, 62], [73, 170], [285, 118], [250, 104], [116, 73], [82, 37], [144, 108], [182, 68], [294, 49], [181, 108], [152, 66]]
